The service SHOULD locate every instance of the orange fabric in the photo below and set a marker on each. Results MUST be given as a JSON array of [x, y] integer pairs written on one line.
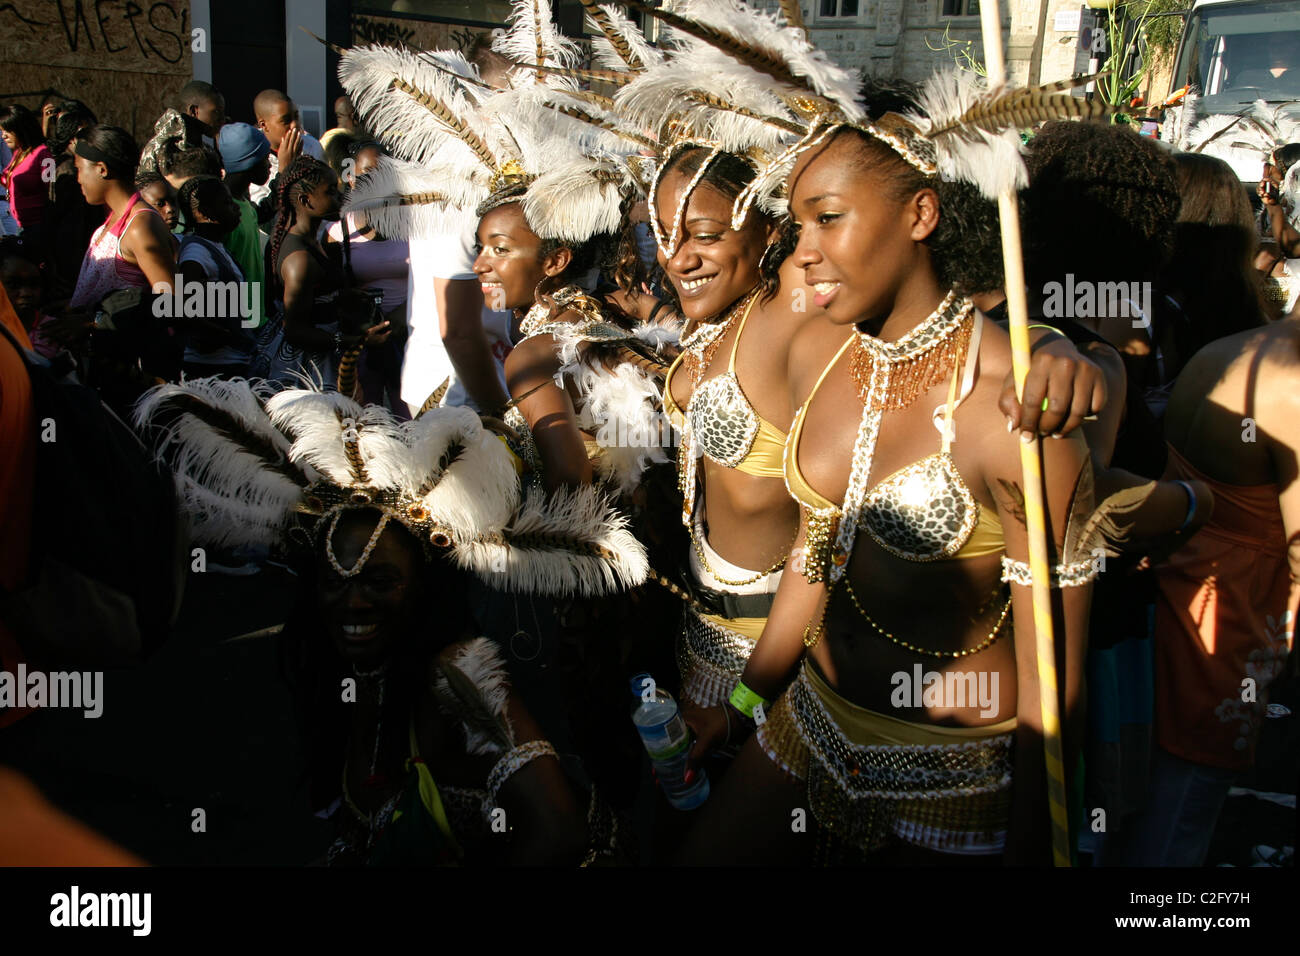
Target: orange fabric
[[33, 833], [17, 474], [1220, 619]]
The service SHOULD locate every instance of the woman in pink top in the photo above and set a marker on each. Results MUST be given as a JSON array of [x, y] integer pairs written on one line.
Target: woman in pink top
[[24, 179], [133, 248]]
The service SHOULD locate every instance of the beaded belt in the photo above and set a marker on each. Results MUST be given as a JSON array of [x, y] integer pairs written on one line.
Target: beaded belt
[[710, 658], [944, 797]]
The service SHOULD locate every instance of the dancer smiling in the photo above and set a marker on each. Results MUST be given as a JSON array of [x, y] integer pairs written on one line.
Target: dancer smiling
[[937, 508]]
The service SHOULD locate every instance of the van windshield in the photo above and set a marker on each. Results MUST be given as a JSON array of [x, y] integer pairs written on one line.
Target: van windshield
[[1236, 53]]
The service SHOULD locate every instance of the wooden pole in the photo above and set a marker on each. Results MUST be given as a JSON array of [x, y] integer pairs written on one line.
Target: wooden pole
[[1031, 470]]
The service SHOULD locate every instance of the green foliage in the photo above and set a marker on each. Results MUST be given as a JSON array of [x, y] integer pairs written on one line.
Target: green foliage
[[1163, 33]]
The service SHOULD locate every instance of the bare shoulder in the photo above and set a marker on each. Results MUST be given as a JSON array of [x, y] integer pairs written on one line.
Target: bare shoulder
[[813, 344], [534, 354]]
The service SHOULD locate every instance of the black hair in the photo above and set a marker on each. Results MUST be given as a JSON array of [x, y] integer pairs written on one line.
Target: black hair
[[1286, 156], [965, 245], [120, 148], [72, 117], [184, 162], [303, 177], [357, 144], [146, 176], [1101, 204], [23, 124], [196, 92], [197, 193]]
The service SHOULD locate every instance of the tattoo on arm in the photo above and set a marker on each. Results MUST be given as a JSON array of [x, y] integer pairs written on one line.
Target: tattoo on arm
[[1013, 498]]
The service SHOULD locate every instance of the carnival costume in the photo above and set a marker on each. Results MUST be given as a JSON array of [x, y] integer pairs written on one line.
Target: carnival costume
[[261, 468], [466, 148], [870, 778]]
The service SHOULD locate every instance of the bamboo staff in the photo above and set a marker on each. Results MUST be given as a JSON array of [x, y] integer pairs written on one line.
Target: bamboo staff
[[1031, 470]]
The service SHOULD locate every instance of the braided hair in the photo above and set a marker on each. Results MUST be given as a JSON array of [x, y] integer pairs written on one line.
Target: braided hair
[[195, 193], [299, 180]]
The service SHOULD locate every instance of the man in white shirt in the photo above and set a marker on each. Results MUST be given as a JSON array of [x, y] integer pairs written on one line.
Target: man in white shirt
[[277, 117], [454, 337]]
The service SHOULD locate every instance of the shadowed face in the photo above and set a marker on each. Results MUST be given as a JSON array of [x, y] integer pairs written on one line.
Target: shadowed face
[[714, 265], [162, 197], [368, 614], [211, 113]]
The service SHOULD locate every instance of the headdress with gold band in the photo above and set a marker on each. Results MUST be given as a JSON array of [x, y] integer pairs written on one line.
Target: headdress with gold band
[[461, 146], [261, 469], [742, 81]]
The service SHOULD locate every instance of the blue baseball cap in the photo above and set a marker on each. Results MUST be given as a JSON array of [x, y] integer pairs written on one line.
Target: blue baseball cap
[[242, 146]]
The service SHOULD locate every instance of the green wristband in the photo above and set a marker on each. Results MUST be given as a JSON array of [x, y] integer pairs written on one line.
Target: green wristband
[[1050, 328], [744, 700]]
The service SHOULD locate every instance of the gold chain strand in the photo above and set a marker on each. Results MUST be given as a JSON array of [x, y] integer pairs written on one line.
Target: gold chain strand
[[699, 550], [993, 635]]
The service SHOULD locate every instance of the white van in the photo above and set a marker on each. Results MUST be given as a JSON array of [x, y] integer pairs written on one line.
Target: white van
[[1235, 52]]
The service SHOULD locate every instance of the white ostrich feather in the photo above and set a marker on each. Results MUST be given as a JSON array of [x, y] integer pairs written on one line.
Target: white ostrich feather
[[991, 160], [407, 127], [580, 514], [660, 333], [623, 409], [1291, 195], [770, 33], [480, 489], [233, 494], [606, 57], [578, 200], [480, 662], [532, 32], [1261, 127], [670, 93], [407, 201]]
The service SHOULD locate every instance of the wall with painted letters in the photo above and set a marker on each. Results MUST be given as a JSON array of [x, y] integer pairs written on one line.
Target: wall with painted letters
[[125, 59]]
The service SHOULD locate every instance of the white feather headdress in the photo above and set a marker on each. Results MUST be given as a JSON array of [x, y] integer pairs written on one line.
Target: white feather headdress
[[255, 468]]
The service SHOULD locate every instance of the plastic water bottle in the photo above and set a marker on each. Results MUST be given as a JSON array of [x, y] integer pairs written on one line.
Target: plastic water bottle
[[668, 741]]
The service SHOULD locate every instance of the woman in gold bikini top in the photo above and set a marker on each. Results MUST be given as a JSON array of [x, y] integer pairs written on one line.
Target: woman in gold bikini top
[[923, 594]]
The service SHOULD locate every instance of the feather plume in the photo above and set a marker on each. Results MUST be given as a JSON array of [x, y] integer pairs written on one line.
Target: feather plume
[[761, 43], [577, 200], [533, 38], [232, 466], [475, 491], [406, 201], [571, 542], [719, 104], [473, 684], [420, 113], [623, 45], [623, 410], [985, 153], [613, 77]]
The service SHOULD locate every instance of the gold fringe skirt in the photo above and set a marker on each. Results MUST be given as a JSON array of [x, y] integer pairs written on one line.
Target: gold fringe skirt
[[874, 779]]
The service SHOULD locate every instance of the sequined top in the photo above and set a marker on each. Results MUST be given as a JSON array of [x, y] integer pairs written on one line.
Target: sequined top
[[922, 512], [723, 421]]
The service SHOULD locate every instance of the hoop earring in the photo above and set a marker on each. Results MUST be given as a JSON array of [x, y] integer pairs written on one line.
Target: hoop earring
[[767, 251]]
